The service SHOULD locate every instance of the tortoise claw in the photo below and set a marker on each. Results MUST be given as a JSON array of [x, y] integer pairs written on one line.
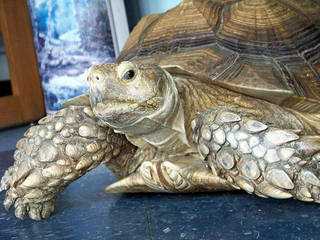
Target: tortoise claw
[[47, 209], [20, 212], [7, 203], [35, 211]]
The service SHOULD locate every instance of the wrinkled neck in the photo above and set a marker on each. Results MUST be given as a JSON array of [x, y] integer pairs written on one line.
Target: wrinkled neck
[[171, 136]]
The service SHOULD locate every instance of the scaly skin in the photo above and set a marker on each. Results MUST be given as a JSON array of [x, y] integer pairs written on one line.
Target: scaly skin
[[238, 142], [63, 147], [258, 157], [260, 147]]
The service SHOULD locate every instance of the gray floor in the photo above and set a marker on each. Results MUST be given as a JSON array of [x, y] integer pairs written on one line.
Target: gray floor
[[10, 136]]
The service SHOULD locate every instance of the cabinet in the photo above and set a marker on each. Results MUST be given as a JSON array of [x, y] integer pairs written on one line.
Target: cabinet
[[26, 103]]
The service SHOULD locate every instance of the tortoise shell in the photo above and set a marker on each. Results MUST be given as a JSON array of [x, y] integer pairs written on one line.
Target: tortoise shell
[[269, 49]]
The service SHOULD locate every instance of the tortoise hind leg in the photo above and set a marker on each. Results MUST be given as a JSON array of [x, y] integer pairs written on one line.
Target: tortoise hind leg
[[257, 157], [170, 174], [63, 147]]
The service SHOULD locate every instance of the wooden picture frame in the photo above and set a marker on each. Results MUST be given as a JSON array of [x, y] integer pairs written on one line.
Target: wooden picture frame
[[26, 103]]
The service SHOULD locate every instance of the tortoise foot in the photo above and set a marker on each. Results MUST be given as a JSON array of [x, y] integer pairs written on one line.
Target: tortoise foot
[[62, 148], [35, 208]]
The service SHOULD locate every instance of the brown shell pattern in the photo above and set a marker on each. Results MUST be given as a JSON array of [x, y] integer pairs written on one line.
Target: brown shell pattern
[[264, 48]]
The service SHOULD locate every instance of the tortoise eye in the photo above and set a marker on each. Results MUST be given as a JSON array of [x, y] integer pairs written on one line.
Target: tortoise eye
[[129, 75]]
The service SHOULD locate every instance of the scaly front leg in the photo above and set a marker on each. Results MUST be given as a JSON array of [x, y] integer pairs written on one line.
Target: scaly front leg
[[63, 147], [257, 157]]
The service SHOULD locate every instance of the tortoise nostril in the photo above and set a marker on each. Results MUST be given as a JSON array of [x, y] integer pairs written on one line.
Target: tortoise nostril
[[94, 74]]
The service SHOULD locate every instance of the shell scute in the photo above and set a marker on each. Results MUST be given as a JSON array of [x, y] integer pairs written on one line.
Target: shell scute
[[247, 46]]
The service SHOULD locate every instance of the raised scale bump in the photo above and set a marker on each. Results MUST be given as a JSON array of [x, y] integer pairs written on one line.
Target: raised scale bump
[[261, 159], [63, 147]]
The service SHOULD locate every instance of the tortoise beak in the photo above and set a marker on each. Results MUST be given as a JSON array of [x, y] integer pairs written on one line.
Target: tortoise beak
[[98, 77]]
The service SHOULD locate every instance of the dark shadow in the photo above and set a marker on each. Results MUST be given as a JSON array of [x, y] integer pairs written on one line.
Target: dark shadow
[[133, 12], [5, 84]]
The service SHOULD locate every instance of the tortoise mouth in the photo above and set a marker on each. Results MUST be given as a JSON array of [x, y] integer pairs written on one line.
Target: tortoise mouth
[[119, 112], [111, 109]]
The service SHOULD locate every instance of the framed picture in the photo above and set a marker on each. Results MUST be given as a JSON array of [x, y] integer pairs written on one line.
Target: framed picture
[[69, 37]]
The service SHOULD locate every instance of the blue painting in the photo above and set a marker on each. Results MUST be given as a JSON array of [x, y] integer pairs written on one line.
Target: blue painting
[[69, 36]]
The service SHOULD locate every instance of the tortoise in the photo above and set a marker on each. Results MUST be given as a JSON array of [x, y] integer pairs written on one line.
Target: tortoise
[[213, 95]]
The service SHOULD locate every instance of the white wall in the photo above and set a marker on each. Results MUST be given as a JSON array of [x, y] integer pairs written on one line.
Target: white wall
[[156, 6], [136, 9]]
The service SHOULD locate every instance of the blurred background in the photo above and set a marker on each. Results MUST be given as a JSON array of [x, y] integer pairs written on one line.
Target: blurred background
[[68, 36]]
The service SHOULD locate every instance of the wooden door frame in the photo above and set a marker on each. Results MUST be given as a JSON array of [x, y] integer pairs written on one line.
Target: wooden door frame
[[26, 103]]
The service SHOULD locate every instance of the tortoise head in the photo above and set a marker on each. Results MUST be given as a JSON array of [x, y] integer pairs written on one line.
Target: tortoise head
[[125, 93]]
